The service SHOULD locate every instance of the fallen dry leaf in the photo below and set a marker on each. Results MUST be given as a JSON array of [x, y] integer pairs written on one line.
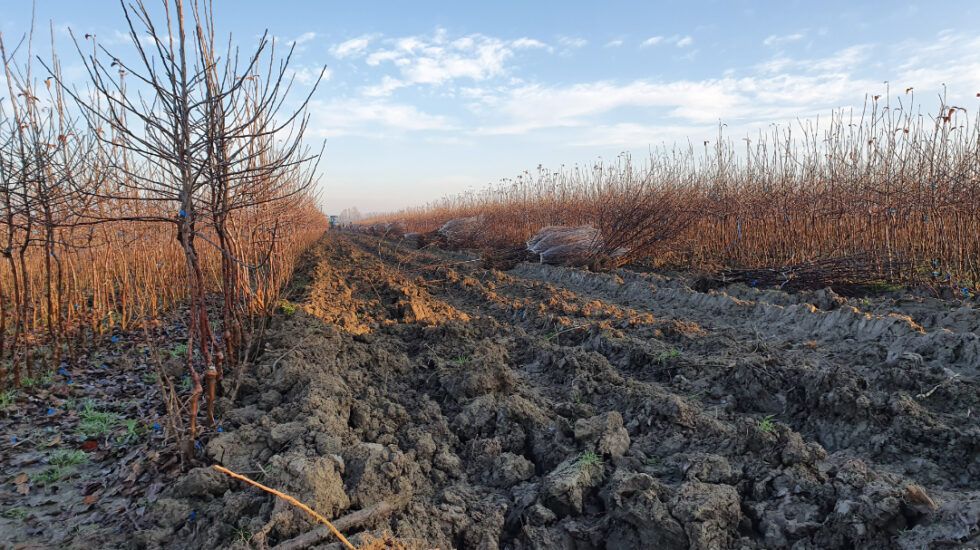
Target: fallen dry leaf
[[91, 499]]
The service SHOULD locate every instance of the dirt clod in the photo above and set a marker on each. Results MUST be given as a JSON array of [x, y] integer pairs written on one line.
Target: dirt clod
[[605, 432]]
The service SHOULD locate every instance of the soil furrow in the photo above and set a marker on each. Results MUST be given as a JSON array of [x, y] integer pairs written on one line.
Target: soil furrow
[[753, 374], [555, 408]]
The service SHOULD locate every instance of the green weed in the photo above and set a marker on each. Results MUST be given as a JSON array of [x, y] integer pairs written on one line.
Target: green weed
[[134, 430], [179, 350], [667, 356], [287, 307], [7, 399], [94, 423], [15, 512], [50, 475], [767, 424], [589, 458], [64, 458]]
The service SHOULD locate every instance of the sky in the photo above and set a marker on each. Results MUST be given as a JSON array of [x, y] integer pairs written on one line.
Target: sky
[[425, 98]]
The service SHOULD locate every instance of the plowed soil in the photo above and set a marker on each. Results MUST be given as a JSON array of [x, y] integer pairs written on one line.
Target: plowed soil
[[550, 407]]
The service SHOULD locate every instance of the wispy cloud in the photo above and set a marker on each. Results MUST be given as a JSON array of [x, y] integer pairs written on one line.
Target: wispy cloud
[[676, 40], [352, 47], [475, 71], [307, 75], [529, 43], [780, 90], [387, 85], [684, 42], [782, 39], [614, 43], [360, 117], [572, 42], [379, 57], [537, 106], [304, 38], [847, 59]]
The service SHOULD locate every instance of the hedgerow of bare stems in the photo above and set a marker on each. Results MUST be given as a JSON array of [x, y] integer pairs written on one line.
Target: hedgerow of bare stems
[[889, 184]]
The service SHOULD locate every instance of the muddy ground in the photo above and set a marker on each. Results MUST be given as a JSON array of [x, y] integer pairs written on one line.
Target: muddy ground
[[84, 450], [548, 407]]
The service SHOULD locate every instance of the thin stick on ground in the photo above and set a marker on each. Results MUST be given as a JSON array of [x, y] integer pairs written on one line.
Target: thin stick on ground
[[290, 500]]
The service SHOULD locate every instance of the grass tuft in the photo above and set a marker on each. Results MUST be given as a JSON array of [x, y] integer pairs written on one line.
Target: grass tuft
[[767, 424], [7, 398], [668, 356], [589, 458], [95, 423], [15, 512], [65, 458]]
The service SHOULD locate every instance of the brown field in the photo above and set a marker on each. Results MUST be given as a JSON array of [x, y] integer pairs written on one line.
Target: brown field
[[552, 407]]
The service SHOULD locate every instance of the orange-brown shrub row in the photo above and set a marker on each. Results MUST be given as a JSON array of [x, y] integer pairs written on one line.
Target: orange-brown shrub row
[[114, 209], [117, 274], [887, 183]]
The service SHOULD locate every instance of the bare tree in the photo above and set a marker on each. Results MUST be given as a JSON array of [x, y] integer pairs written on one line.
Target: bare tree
[[254, 147], [37, 158], [201, 137]]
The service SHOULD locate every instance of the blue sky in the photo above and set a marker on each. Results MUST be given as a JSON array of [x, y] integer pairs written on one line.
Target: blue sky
[[426, 98]]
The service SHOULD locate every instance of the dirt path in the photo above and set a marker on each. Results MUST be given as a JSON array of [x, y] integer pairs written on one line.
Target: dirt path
[[556, 408]]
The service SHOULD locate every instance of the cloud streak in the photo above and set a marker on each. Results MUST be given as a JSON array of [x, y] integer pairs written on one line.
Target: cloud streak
[[781, 40], [782, 89], [675, 40], [351, 48], [359, 117]]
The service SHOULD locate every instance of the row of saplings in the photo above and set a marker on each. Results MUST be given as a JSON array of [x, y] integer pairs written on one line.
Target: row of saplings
[[579, 246]]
